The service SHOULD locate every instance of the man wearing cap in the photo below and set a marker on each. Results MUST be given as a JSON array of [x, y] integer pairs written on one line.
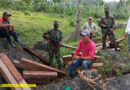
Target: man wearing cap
[[107, 25], [127, 33], [5, 20], [4, 32], [91, 27], [88, 47], [56, 35]]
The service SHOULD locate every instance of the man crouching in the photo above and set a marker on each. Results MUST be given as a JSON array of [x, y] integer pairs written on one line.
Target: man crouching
[[88, 48]]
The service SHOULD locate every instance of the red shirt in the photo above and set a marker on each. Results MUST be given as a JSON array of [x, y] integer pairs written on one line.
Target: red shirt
[[4, 22], [87, 49]]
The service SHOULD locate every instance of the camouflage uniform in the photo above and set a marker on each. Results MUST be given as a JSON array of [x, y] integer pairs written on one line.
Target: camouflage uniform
[[109, 22], [57, 36]]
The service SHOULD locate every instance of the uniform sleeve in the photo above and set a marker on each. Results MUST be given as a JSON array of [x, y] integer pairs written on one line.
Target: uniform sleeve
[[47, 32], [113, 22], [92, 52], [61, 37], [100, 22], [78, 49]]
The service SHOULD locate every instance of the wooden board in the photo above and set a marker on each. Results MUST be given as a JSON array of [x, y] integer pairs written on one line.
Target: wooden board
[[94, 66], [13, 70], [107, 44], [36, 54], [39, 74], [97, 40], [8, 76], [11, 67], [23, 66], [40, 81], [40, 67], [70, 47], [68, 58]]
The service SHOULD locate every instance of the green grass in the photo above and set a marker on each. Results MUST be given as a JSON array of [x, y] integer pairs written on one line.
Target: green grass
[[31, 27]]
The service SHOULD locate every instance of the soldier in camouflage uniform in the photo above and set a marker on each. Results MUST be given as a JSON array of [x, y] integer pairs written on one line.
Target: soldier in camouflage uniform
[[107, 25], [56, 35]]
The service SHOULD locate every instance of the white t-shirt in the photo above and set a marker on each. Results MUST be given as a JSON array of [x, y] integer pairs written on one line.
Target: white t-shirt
[[128, 27]]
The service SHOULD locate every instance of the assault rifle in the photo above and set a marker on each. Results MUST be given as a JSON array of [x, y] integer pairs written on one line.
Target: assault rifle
[[52, 41]]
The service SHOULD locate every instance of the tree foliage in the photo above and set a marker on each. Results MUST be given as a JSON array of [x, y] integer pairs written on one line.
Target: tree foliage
[[92, 8]]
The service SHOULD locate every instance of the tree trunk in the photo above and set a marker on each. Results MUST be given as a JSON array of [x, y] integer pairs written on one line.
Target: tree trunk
[[85, 2], [78, 20], [76, 35]]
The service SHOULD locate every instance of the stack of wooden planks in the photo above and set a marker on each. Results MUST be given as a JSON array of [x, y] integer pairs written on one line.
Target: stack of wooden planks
[[36, 72], [10, 73]]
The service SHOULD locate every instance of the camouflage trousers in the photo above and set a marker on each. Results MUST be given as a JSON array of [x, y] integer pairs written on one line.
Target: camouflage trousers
[[111, 37], [56, 52]]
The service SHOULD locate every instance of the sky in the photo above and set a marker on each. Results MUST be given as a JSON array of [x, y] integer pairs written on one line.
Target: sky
[[111, 0]]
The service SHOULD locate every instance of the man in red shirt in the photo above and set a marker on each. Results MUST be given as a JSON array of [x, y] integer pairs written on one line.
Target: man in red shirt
[[4, 32], [5, 20], [88, 48]]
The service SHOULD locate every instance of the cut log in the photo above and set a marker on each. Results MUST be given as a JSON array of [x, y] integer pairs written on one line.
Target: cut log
[[68, 46], [13, 71], [8, 76], [39, 74], [94, 66], [41, 81], [68, 58], [107, 44], [36, 54], [98, 40], [40, 67], [118, 49]]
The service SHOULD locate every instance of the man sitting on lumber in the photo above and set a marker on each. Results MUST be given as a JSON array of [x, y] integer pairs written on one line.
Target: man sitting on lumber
[[10, 30], [4, 32], [88, 48]]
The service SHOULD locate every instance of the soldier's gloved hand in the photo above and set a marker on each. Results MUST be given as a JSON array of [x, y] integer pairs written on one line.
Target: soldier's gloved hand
[[111, 29]]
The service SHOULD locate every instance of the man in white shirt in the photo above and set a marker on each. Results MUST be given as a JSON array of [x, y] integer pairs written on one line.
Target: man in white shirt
[[127, 33], [91, 27]]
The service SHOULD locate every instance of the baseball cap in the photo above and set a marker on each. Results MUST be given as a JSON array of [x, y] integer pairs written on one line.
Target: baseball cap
[[90, 18], [85, 32], [6, 13]]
